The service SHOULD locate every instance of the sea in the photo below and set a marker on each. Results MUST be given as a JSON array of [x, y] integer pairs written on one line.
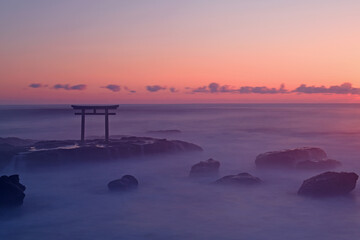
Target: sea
[[73, 202]]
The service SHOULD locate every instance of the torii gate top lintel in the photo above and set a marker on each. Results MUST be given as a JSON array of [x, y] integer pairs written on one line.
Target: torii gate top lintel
[[94, 106], [94, 111]]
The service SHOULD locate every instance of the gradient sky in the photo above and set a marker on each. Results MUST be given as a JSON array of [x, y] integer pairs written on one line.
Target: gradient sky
[[136, 51]]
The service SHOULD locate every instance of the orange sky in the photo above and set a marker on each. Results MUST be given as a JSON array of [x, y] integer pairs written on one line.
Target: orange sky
[[180, 44]]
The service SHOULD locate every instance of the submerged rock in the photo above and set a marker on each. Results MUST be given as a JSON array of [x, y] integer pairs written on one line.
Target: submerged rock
[[209, 167], [127, 182], [329, 184], [11, 191], [300, 158], [169, 131], [239, 179]]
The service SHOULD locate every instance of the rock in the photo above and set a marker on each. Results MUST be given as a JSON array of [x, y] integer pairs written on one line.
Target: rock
[[329, 184], [240, 179], [318, 165], [54, 144], [54, 153], [11, 191], [209, 167], [301, 158], [16, 142], [125, 183]]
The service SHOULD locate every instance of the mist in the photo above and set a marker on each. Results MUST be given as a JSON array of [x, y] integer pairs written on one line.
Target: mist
[[73, 202]]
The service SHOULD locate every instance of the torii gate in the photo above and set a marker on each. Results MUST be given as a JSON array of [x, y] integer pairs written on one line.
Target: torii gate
[[94, 111]]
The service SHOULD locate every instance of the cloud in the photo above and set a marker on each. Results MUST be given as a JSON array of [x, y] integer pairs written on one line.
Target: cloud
[[37, 85], [226, 89], [263, 90], [173, 90], [214, 87], [200, 90], [68, 87], [345, 88], [60, 86], [155, 88], [78, 87], [217, 88], [129, 90], [117, 88], [113, 87]]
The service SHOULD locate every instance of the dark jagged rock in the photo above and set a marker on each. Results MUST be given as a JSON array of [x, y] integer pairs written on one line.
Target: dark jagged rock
[[300, 158], [11, 191], [53, 153], [239, 179], [16, 142], [125, 183], [209, 167], [329, 184], [170, 131]]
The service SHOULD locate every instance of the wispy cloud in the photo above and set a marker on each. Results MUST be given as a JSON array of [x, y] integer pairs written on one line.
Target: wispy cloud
[[37, 85], [113, 87], [213, 88], [345, 88], [203, 89], [79, 87], [129, 90], [154, 88], [263, 90], [217, 88], [173, 90], [118, 88]]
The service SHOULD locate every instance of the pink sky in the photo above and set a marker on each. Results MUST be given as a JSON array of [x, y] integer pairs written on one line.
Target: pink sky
[[179, 44]]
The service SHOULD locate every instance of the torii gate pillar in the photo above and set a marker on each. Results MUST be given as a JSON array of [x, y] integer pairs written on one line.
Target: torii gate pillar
[[94, 110]]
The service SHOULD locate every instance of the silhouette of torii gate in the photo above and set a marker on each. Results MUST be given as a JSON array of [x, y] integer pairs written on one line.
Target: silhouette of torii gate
[[94, 110]]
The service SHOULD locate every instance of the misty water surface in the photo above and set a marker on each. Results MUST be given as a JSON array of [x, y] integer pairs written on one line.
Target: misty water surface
[[72, 202]]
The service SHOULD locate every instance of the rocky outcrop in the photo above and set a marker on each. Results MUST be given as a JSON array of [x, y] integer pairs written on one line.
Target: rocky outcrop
[[47, 153], [329, 184], [299, 158], [206, 168], [11, 191], [239, 179], [16, 142], [126, 183]]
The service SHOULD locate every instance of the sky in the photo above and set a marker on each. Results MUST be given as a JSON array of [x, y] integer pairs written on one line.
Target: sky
[[167, 51]]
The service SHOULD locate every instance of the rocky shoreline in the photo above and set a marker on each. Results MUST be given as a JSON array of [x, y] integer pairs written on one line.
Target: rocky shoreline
[[47, 153], [54, 152]]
